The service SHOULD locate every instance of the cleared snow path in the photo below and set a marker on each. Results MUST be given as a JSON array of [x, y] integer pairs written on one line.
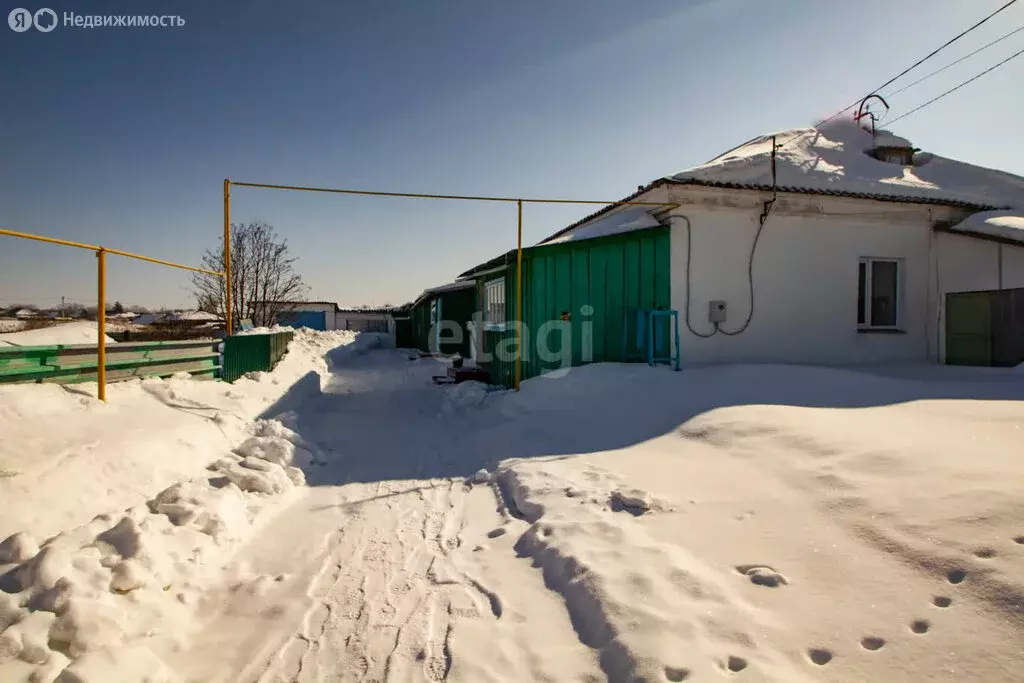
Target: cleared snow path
[[369, 576]]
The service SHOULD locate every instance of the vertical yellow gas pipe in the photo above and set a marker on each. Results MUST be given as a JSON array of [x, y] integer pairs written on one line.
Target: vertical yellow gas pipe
[[519, 295], [101, 323], [227, 256]]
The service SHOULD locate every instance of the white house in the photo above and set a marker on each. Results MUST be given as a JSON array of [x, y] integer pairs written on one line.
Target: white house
[[826, 246], [363, 319], [326, 315]]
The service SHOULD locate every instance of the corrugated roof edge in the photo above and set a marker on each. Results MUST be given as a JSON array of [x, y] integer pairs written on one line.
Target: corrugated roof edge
[[391, 309], [902, 199], [298, 303], [440, 289], [877, 196]]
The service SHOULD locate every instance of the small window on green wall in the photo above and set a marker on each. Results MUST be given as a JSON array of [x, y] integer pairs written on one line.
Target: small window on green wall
[[494, 303]]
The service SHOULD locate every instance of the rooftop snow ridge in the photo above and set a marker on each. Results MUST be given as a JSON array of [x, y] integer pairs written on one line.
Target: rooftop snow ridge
[[833, 158]]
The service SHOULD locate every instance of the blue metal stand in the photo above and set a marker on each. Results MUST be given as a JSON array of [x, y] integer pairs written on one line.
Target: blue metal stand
[[650, 328]]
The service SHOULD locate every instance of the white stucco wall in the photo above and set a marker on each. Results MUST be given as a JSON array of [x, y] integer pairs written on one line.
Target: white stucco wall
[[805, 274], [805, 277], [345, 320], [1013, 266]]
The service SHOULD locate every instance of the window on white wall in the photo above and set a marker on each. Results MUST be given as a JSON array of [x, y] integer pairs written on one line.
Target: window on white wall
[[878, 293], [494, 302]]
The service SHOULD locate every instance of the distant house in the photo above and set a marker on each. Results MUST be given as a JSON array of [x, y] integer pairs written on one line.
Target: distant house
[[363, 319], [807, 246], [327, 315], [149, 318], [191, 317]]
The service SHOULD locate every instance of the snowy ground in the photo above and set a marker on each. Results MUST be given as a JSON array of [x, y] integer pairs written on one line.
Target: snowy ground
[[756, 523]]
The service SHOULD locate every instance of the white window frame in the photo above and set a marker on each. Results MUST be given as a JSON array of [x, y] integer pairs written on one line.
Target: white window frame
[[867, 262], [492, 301]]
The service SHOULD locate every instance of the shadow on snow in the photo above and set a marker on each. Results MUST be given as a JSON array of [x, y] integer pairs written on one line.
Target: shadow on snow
[[379, 416]]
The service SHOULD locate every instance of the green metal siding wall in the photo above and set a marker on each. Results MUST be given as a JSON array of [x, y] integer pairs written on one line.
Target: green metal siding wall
[[404, 338], [419, 318], [457, 306], [249, 353], [614, 275]]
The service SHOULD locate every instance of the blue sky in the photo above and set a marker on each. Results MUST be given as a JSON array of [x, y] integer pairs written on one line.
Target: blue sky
[[123, 136]]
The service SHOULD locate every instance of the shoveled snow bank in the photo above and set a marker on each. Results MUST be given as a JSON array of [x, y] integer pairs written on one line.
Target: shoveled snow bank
[[76, 608], [66, 457], [68, 333], [832, 157]]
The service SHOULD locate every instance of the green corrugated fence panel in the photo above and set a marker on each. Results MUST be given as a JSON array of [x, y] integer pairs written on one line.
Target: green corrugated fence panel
[[580, 298], [599, 299], [253, 352], [614, 318], [67, 364]]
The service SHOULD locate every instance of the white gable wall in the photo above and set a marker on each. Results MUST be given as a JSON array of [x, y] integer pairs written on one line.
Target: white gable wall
[[969, 264], [805, 277]]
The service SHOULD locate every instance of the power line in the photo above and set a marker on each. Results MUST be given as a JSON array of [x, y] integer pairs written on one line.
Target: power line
[[919, 62], [968, 55], [954, 89]]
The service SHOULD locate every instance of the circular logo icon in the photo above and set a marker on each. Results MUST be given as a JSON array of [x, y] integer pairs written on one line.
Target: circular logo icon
[[19, 20], [45, 20]]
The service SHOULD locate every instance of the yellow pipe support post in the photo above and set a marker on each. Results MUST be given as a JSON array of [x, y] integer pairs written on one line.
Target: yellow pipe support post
[[101, 323], [519, 295], [227, 256]]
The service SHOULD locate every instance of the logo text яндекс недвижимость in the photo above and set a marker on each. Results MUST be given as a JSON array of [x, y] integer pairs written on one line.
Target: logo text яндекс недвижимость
[[45, 20]]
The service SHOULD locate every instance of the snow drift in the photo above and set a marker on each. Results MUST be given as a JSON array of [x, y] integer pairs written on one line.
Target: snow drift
[[68, 333]]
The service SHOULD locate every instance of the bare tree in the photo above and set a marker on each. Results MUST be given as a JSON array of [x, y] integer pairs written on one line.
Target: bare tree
[[263, 278]]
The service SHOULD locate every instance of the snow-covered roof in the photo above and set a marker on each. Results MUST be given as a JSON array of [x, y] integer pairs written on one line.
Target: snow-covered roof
[[831, 159], [193, 316], [149, 318], [1002, 225], [635, 218], [450, 287]]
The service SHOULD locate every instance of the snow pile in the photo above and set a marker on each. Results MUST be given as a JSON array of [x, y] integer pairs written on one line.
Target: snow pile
[[463, 396], [8, 325], [693, 531], [86, 600], [82, 606], [68, 333], [1007, 225], [832, 157], [265, 330], [65, 457]]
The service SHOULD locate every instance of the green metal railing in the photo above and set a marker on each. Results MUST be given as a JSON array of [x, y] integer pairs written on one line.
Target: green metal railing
[[70, 363], [250, 353]]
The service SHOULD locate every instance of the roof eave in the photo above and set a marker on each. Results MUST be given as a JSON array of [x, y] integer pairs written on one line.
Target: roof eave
[[900, 199]]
